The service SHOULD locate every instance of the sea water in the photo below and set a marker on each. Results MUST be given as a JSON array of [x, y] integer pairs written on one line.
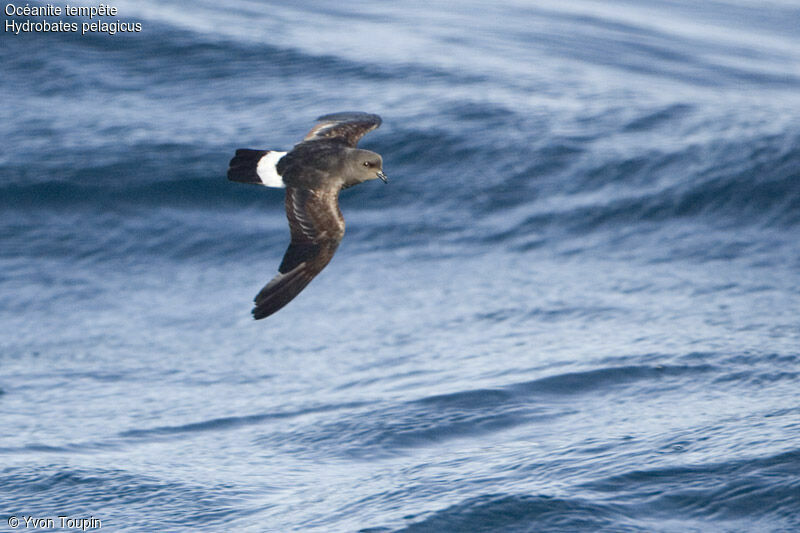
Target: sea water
[[573, 308]]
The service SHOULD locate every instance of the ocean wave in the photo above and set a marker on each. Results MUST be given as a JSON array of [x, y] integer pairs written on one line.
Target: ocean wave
[[128, 501], [228, 423], [755, 494], [131, 62], [753, 183], [733, 185], [522, 513], [761, 490], [173, 204], [391, 429]]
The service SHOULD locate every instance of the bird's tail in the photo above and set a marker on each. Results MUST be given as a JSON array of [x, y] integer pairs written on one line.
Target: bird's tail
[[256, 166]]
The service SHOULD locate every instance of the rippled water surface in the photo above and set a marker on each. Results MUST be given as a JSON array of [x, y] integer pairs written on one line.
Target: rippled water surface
[[574, 307]]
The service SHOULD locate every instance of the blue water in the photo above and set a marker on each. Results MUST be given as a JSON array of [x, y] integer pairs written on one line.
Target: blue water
[[575, 307]]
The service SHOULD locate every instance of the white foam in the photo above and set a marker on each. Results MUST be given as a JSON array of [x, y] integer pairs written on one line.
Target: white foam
[[267, 171]]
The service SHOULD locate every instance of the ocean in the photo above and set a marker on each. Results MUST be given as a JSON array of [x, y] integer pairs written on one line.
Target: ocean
[[574, 307]]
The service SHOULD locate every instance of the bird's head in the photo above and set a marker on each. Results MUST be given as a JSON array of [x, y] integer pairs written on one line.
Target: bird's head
[[364, 165]]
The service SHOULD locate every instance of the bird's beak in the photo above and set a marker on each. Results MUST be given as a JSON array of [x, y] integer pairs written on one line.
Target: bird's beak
[[383, 177]]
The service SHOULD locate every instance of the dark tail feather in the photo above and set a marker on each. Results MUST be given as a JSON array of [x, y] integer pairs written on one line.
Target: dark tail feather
[[244, 164]]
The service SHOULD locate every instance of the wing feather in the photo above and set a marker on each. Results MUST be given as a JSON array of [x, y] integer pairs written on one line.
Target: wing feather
[[282, 290], [317, 227], [347, 127]]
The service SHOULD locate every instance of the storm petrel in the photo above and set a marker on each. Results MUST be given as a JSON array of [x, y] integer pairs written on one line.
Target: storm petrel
[[313, 172]]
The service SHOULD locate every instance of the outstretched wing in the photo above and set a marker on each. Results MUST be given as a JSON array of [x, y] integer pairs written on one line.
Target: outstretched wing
[[347, 127], [317, 227]]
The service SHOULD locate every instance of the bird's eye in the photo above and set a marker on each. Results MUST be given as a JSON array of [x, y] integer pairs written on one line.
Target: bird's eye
[[367, 164]]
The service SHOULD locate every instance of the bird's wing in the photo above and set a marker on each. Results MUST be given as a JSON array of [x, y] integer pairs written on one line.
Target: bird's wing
[[317, 227], [347, 127]]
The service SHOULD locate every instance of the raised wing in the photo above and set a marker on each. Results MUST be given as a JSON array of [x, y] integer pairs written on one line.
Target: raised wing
[[347, 127], [317, 227]]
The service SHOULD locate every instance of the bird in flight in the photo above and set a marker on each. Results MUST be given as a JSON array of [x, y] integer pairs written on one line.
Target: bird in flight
[[313, 172]]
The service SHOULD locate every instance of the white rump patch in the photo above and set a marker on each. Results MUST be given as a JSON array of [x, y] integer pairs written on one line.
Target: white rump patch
[[267, 170]]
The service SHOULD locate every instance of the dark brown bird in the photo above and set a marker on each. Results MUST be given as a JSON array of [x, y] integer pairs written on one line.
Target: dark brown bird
[[313, 172]]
